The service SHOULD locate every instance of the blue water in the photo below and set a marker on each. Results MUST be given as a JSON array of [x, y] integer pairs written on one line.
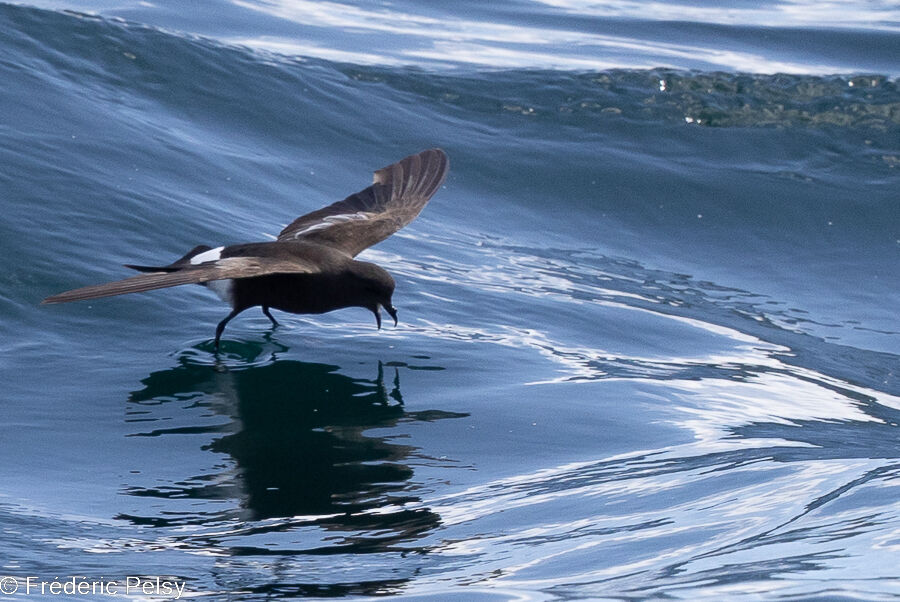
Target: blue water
[[648, 341]]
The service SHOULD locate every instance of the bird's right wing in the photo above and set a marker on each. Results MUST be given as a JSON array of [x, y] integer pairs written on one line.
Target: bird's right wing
[[221, 269]]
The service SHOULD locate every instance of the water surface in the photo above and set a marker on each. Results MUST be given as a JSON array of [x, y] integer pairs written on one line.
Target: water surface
[[648, 343]]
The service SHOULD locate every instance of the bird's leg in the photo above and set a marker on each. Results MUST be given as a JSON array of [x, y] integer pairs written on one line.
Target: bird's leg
[[221, 327], [269, 315]]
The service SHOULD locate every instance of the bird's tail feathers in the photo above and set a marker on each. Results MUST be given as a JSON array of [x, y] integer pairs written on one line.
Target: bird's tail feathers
[[153, 268], [175, 265]]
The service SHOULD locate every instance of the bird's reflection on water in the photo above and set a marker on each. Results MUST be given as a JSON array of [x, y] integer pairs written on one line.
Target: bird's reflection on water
[[296, 435]]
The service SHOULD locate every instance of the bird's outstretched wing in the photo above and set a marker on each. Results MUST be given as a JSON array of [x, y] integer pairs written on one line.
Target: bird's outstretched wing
[[221, 269], [394, 199]]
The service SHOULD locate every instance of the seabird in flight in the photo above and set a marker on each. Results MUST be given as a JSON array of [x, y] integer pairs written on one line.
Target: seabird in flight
[[310, 268]]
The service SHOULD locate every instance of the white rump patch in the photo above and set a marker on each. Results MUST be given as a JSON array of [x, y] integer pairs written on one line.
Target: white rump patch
[[224, 289], [331, 220], [206, 256]]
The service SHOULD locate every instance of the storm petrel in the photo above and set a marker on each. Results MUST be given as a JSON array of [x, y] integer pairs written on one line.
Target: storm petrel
[[310, 268]]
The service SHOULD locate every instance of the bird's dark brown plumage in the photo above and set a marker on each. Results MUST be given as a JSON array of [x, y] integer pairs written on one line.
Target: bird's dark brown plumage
[[310, 268], [394, 199]]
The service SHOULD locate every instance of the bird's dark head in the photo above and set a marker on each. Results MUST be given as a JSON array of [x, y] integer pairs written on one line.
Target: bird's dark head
[[376, 288]]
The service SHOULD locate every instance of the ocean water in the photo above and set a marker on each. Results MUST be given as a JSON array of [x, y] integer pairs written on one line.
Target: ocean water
[[648, 343]]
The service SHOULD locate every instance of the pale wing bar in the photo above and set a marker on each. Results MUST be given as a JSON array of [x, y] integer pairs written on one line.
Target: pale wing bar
[[396, 197], [223, 269]]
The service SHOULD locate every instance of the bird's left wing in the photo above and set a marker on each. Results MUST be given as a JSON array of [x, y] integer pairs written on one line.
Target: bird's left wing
[[395, 198], [221, 269]]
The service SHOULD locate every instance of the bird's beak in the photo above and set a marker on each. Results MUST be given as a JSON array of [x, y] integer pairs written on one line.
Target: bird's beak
[[393, 312]]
